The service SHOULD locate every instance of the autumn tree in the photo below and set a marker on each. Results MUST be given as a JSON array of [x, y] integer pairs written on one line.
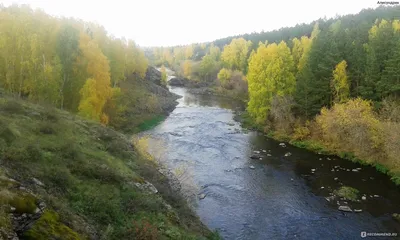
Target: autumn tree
[[187, 68], [340, 83], [224, 75], [235, 55], [96, 90], [271, 73]]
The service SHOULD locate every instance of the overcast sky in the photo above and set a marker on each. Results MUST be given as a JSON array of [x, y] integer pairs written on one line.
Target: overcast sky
[[173, 22]]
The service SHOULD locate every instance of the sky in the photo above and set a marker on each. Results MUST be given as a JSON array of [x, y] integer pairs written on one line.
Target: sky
[[179, 22]]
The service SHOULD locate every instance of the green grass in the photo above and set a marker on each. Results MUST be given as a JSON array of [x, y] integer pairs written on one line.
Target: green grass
[[88, 173], [348, 193]]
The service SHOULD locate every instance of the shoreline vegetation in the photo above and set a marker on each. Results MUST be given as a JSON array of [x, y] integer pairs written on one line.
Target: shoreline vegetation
[[70, 94], [315, 146], [331, 86]]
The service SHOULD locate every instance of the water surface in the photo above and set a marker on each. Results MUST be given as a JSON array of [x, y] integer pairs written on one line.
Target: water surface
[[282, 197]]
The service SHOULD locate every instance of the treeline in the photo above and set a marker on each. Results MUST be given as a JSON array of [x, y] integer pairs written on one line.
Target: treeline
[[366, 16], [67, 63], [337, 87]]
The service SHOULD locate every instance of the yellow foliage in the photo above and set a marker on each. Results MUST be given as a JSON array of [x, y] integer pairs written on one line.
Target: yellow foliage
[[187, 68], [97, 89], [340, 84], [351, 127]]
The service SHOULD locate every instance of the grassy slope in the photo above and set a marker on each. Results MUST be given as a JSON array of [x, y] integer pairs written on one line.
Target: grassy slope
[[88, 173]]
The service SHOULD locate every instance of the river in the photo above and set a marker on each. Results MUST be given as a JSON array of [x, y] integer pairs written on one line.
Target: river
[[276, 197]]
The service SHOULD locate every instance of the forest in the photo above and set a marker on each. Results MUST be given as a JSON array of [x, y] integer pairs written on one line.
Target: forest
[[65, 62], [332, 85]]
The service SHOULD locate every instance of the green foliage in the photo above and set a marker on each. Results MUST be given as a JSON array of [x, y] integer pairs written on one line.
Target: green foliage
[[348, 193]]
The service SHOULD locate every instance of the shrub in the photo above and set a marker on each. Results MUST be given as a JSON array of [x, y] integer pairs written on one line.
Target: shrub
[[300, 133], [281, 114], [144, 230], [352, 127]]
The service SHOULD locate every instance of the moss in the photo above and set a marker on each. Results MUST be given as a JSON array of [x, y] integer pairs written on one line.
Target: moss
[[348, 193], [23, 203], [48, 226]]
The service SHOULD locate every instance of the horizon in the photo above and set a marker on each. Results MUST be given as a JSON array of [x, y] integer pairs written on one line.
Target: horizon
[[147, 33]]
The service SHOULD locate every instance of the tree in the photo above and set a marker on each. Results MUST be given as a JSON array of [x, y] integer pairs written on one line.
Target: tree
[[313, 89], [207, 67], [215, 52], [271, 73], [187, 68], [340, 83], [96, 90], [224, 76], [68, 50], [236, 53], [381, 42]]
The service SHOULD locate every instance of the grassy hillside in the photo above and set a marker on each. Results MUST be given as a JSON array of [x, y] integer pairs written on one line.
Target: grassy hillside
[[63, 177]]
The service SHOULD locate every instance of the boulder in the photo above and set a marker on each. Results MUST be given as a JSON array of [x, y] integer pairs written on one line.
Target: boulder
[[178, 82], [202, 196], [147, 187], [255, 156], [153, 75], [37, 182], [252, 167], [345, 209], [288, 154]]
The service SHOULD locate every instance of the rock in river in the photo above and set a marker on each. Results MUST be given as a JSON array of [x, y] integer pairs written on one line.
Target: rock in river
[[288, 154], [202, 196], [345, 208], [252, 167], [255, 156]]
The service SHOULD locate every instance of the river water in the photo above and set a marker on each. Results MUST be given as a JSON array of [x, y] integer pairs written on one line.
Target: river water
[[282, 197]]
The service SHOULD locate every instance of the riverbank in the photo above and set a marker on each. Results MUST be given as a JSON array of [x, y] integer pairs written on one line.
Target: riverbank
[[200, 140], [64, 177], [313, 145]]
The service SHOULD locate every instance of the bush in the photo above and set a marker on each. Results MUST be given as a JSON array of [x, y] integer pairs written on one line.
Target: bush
[[144, 230], [281, 114], [352, 127]]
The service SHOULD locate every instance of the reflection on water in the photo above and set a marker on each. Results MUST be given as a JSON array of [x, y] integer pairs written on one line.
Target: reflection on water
[[275, 197]]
